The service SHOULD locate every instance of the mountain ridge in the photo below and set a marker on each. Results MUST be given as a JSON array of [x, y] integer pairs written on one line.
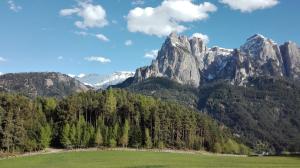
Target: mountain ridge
[[189, 61], [103, 81], [33, 84]]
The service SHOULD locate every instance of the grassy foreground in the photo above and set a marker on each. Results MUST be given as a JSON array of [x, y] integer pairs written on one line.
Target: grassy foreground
[[128, 159]]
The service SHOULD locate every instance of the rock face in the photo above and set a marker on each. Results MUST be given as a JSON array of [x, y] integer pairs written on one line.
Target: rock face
[[291, 58], [175, 61], [188, 61], [41, 84]]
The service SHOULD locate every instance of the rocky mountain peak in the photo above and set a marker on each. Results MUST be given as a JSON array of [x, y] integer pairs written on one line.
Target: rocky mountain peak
[[189, 61], [257, 44]]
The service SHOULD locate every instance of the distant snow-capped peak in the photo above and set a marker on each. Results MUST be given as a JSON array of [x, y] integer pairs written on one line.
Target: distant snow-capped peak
[[103, 81]]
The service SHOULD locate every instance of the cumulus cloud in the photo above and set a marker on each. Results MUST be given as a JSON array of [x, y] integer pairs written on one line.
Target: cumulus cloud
[[102, 37], [249, 5], [128, 42], [2, 59], [98, 59], [168, 17], [204, 37], [151, 54], [13, 6], [92, 15], [1, 73]]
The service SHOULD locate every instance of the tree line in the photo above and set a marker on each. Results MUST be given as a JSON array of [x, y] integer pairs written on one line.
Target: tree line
[[111, 118]]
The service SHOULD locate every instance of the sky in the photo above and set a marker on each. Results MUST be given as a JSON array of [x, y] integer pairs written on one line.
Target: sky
[[105, 36]]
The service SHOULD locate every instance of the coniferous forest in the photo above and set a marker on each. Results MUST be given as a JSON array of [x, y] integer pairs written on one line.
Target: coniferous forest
[[111, 118]]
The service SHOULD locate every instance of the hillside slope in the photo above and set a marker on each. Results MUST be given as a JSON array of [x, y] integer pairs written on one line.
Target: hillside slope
[[265, 113], [35, 84]]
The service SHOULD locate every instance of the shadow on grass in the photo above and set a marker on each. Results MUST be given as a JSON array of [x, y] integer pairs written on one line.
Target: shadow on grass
[[148, 166]]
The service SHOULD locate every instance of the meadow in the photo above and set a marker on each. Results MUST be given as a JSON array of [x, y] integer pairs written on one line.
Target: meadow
[[135, 159]]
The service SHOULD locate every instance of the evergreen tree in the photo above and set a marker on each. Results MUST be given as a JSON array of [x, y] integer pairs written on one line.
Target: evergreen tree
[[7, 132], [45, 136], [72, 135], [18, 131], [124, 138], [64, 140], [98, 137], [148, 141], [110, 102]]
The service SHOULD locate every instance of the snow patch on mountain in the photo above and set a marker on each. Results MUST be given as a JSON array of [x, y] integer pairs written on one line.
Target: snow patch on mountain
[[104, 81]]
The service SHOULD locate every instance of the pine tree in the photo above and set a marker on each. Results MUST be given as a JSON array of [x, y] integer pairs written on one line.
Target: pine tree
[[64, 140], [98, 137], [72, 135], [110, 102], [19, 133], [124, 138], [79, 131], [45, 136], [148, 141], [7, 131]]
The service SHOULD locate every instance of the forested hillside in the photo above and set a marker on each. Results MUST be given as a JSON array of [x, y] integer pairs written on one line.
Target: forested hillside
[[108, 118], [264, 114]]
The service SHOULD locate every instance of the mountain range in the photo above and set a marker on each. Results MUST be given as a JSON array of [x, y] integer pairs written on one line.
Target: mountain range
[[253, 90], [103, 81], [189, 61], [50, 84]]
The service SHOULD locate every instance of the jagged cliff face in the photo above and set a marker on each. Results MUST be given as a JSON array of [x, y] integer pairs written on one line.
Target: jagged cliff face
[[189, 61], [175, 61], [291, 58]]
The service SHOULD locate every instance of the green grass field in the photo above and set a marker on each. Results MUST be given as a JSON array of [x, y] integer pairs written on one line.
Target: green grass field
[[127, 159]]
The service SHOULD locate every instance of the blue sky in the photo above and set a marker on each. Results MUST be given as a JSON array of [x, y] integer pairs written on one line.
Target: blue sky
[[61, 35]]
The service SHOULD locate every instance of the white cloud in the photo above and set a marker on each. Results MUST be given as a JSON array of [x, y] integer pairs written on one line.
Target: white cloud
[[204, 37], [102, 37], [60, 57], [13, 6], [2, 59], [92, 15], [167, 17], [81, 33], [249, 5], [98, 59], [68, 12], [99, 36], [128, 42], [138, 2], [151, 54], [1, 73]]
